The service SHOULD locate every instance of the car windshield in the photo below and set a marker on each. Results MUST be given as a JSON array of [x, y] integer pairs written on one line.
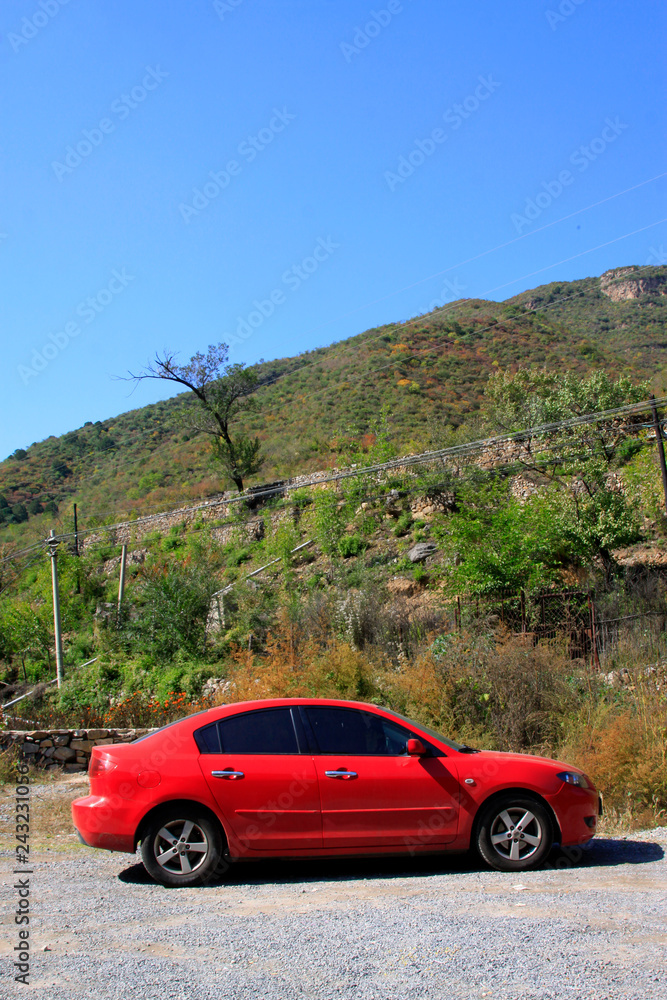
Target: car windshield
[[426, 729]]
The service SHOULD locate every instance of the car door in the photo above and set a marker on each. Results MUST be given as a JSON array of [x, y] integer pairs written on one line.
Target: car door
[[265, 787], [372, 793]]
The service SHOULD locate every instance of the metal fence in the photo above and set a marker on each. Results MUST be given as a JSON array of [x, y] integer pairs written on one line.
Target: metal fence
[[572, 615], [647, 630]]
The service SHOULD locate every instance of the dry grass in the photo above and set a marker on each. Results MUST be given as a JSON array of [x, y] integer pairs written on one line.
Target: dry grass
[[51, 799], [497, 694]]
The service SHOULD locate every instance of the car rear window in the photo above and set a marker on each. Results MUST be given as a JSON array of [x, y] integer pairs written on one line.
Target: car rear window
[[207, 739], [270, 731], [176, 722]]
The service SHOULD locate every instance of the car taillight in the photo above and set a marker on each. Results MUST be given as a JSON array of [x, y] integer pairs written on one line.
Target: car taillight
[[100, 765]]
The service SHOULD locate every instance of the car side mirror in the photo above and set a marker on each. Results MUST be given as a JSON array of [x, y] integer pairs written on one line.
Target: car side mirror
[[415, 748]]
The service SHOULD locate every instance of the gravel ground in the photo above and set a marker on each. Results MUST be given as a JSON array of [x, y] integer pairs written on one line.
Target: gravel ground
[[397, 928]]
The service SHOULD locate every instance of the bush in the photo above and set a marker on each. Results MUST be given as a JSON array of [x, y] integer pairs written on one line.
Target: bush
[[351, 545], [8, 761], [403, 524], [19, 513], [627, 449], [236, 556], [171, 611]]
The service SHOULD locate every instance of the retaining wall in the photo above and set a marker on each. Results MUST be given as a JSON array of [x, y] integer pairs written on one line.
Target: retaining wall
[[66, 749]]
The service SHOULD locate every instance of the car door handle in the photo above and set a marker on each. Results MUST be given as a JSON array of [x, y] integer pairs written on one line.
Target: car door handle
[[232, 775], [341, 774]]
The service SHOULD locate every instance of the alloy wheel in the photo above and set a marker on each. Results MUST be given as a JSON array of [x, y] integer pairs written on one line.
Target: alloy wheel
[[516, 834], [181, 847]]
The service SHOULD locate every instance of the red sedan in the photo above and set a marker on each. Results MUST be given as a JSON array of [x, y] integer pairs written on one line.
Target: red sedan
[[299, 777]]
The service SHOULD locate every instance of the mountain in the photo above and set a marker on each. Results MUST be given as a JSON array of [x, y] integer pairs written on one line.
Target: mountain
[[428, 373]]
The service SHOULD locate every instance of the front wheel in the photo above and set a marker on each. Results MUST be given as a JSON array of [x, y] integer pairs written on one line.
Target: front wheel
[[182, 847], [515, 833]]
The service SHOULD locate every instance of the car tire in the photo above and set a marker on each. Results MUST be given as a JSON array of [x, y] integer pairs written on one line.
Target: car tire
[[183, 846], [514, 833]]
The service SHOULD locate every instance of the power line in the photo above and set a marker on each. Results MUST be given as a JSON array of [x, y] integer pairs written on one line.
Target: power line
[[421, 320], [485, 253], [416, 320], [20, 573], [452, 306], [502, 467], [407, 461], [16, 555]]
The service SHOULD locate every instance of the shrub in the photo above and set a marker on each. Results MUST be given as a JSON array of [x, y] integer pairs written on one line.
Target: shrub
[[403, 524], [351, 545], [172, 613]]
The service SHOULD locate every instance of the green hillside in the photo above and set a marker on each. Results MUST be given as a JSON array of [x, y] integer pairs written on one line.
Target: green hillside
[[428, 372], [522, 612]]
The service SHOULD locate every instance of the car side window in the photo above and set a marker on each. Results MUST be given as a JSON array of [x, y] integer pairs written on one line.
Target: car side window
[[270, 731], [349, 731]]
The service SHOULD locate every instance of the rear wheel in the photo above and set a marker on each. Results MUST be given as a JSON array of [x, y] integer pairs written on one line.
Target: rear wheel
[[182, 847], [515, 833]]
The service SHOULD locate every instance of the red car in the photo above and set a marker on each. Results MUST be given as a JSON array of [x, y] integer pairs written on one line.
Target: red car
[[309, 778]]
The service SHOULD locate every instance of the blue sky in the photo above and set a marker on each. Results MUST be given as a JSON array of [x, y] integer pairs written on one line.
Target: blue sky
[[282, 174]]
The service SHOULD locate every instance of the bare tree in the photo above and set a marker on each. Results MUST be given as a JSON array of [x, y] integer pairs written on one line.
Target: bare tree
[[223, 391]]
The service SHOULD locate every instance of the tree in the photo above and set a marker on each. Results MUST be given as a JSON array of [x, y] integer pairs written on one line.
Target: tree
[[223, 391], [174, 606], [26, 628], [19, 512], [495, 542], [593, 513], [597, 516], [534, 396]]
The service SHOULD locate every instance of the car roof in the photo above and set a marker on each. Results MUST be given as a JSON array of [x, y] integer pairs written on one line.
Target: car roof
[[233, 707]]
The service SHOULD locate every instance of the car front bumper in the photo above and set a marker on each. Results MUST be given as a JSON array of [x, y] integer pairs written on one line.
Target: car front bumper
[[577, 811]]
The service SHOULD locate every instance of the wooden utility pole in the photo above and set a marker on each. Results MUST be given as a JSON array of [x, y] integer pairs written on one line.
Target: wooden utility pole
[[121, 582], [595, 658], [76, 550], [52, 543], [76, 534], [661, 446]]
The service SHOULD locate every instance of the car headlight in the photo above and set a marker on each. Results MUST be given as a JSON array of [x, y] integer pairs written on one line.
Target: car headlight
[[573, 778]]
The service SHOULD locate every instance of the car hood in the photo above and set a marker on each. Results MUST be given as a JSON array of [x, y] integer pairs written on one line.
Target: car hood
[[506, 757]]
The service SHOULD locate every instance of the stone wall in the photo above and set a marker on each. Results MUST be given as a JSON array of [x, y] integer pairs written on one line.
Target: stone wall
[[219, 509], [216, 508], [67, 749]]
